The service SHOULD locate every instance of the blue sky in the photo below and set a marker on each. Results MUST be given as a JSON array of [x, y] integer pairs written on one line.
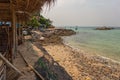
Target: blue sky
[[84, 13]]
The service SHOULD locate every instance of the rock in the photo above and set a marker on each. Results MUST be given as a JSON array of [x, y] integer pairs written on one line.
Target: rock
[[54, 36], [104, 28], [42, 38], [24, 32], [64, 32]]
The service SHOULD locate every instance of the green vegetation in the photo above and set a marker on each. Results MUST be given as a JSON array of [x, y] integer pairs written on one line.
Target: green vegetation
[[39, 21], [33, 22], [44, 21]]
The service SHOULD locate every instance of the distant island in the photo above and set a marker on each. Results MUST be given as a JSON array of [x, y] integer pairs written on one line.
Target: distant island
[[104, 28]]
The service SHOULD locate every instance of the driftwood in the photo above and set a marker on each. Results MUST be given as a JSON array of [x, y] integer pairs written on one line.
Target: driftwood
[[27, 64]]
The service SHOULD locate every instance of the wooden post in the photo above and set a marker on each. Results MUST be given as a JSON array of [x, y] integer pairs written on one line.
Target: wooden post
[[16, 38], [20, 30], [13, 24]]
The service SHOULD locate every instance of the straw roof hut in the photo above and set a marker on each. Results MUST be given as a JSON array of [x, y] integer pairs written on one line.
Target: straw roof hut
[[15, 11], [22, 8], [19, 11]]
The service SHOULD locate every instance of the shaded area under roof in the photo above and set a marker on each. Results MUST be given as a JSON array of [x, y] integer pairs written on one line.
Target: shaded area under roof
[[4, 1], [23, 8]]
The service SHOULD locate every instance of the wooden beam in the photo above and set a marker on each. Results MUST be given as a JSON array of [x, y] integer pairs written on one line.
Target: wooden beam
[[6, 20], [23, 12], [5, 4], [4, 11], [13, 30], [4, 7], [9, 64], [3, 15]]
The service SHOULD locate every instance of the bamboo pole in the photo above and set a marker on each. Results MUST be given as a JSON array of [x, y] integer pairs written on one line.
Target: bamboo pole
[[13, 31], [9, 64], [36, 72], [16, 39]]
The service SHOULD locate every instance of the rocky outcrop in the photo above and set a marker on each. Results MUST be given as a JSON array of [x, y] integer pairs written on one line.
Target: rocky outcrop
[[104, 28], [54, 36]]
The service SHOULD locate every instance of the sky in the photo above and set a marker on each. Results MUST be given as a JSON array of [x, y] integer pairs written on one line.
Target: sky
[[84, 13]]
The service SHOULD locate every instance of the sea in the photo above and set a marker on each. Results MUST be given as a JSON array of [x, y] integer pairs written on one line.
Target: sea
[[104, 43]]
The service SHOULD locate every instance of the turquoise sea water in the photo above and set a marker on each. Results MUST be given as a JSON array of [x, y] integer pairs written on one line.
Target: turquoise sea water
[[101, 42]]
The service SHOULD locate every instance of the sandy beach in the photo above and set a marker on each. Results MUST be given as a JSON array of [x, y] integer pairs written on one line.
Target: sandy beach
[[81, 65], [57, 61]]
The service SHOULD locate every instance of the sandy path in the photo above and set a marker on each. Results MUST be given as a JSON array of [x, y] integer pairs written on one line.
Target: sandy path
[[31, 54]]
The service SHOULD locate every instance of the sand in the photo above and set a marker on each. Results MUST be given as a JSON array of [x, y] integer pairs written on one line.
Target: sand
[[78, 64], [81, 66], [65, 62]]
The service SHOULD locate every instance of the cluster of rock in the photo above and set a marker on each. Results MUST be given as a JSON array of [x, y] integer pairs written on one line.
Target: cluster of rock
[[51, 36], [64, 32], [54, 36], [96, 68], [104, 28], [85, 67]]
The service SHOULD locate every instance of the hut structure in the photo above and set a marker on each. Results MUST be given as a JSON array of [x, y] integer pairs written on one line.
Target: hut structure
[[14, 12]]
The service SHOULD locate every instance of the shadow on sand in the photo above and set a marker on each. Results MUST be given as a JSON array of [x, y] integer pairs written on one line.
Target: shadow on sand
[[49, 68]]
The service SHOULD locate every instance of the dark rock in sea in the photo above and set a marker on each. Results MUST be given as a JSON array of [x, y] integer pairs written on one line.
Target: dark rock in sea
[[104, 28]]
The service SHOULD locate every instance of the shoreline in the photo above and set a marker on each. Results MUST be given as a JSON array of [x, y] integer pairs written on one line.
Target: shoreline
[[77, 64], [77, 49]]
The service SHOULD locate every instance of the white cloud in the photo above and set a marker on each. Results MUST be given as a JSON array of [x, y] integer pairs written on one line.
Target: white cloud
[[85, 12]]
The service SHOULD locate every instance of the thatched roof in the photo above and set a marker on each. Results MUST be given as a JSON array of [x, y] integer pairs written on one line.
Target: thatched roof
[[23, 8]]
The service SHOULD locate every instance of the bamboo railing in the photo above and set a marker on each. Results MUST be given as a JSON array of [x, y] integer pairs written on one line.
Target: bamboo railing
[[12, 72], [2, 70]]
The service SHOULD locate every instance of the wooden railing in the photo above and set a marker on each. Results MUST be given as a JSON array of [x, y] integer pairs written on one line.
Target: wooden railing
[[12, 72], [2, 70]]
